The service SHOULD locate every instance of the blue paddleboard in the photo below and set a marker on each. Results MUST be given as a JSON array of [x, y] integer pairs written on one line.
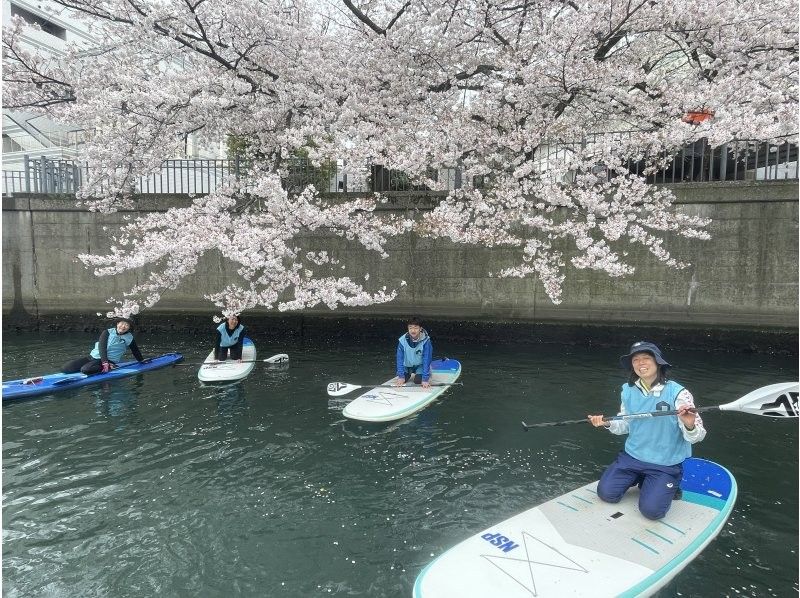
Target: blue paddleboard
[[50, 383]]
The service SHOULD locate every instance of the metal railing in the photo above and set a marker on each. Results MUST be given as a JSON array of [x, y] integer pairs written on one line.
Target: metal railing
[[735, 161], [33, 138], [193, 177], [698, 162]]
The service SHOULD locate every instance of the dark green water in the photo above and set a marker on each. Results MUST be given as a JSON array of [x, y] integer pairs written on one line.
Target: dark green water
[[158, 485]]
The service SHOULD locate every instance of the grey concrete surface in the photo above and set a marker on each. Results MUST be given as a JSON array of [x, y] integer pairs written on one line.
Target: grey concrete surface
[[745, 277]]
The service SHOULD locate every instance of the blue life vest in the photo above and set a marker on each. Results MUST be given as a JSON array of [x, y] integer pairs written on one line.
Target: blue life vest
[[412, 356], [229, 340], [656, 440], [116, 347]]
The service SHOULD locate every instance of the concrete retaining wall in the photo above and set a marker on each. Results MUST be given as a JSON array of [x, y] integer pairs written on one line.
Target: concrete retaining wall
[[745, 277]]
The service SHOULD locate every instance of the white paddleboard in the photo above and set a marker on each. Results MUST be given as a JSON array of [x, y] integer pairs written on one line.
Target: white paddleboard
[[387, 404], [577, 545], [228, 370]]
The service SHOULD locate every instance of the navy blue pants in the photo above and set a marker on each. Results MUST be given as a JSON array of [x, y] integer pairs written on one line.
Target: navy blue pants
[[86, 365], [236, 352], [414, 374], [658, 484]]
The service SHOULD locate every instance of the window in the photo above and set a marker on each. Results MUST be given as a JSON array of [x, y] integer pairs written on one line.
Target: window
[[47, 26], [9, 145]]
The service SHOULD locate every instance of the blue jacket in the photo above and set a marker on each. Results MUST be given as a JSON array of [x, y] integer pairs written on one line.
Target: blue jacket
[[413, 355]]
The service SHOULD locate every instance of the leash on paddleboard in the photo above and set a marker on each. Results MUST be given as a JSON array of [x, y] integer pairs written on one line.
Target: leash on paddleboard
[[337, 389], [775, 400]]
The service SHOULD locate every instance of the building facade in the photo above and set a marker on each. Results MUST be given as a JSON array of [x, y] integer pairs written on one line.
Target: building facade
[[36, 136]]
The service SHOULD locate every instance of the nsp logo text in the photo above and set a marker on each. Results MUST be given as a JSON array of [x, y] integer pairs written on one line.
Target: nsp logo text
[[503, 543]]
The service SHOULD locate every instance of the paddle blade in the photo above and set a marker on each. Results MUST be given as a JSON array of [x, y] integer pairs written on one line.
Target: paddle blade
[[775, 400], [279, 358], [337, 389]]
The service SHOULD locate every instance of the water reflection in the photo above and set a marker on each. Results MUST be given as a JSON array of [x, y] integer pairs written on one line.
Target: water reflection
[[277, 367], [364, 430], [117, 400], [229, 398]]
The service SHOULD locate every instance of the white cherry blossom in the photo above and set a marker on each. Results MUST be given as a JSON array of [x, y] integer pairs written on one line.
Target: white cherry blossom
[[489, 87]]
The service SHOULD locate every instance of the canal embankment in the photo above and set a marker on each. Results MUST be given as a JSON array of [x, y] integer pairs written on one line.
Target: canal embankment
[[742, 283]]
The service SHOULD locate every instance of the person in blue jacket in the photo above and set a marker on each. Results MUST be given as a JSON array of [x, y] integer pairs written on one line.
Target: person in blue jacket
[[230, 337], [656, 447], [414, 355], [108, 350]]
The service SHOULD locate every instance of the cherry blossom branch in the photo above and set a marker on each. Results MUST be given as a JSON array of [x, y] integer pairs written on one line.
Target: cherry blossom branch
[[513, 95]]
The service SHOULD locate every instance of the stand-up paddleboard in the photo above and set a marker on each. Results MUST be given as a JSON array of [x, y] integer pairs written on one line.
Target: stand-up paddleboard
[[230, 369], [387, 404], [40, 385], [578, 545]]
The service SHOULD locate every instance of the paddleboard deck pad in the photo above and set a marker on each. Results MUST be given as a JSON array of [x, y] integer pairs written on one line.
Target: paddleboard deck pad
[[41, 385], [578, 545], [388, 404], [230, 369]]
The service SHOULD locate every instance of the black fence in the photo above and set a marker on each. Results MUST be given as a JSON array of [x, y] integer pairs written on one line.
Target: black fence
[[701, 162], [698, 162]]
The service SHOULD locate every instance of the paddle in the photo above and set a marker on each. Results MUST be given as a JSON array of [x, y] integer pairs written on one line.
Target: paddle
[[278, 358], [775, 400], [337, 389]]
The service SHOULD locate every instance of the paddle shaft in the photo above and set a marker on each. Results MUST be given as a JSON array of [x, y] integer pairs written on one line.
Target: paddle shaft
[[338, 389], [232, 361], [774, 400], [404, 386], [619, 417]]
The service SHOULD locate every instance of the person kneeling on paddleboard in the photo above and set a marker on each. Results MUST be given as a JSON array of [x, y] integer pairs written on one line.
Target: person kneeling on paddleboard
[[656, 446], [414, 355], [107, 351], [230, 337]]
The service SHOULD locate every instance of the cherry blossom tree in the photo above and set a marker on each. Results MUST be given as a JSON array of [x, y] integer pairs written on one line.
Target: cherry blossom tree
[[489, 87]]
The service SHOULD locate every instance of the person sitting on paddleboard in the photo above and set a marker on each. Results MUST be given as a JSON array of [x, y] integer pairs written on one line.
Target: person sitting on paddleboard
[[656, 446], [230, 337], [414, 355], [107, 351]]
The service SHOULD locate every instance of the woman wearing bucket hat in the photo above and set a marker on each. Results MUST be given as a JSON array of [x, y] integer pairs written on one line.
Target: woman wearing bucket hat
[[657, 446], [107, 351]]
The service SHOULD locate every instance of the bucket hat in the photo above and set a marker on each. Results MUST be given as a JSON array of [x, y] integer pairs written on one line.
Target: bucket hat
[[643, 347]]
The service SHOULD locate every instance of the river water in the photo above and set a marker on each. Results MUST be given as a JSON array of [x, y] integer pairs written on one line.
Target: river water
[[158, 485]]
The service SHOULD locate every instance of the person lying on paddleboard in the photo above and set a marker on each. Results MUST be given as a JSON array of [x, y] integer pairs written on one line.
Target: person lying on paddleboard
[[414, 355], [107, 351], [230, 337], [656, 446]]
